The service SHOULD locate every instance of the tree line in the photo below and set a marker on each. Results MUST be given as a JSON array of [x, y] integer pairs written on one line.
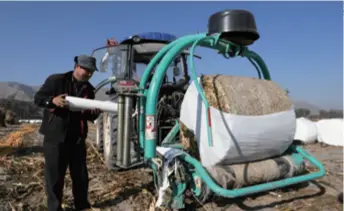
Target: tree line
[[28, 110], [22, 109], [323, 114]]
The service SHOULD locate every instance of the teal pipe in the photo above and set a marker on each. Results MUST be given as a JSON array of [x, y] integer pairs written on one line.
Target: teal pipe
[[105, 82], [254, 56], [144, 80], [171, 135], [152, 95], [256, 188], [198, 86], [214, 40], [142, 87], [256, 66]]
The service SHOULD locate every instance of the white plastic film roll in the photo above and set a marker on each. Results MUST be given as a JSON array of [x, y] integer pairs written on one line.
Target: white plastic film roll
[[76, 103]]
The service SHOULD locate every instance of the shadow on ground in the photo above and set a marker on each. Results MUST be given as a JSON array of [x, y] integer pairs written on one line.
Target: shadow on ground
[[20, 151], [226, 203], [123, 195]]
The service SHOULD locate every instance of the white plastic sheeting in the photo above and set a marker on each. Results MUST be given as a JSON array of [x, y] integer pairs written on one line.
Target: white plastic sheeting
[[31, 121], [169, 167], [76, 103], [236, 138], [306, 131], [330, 131]]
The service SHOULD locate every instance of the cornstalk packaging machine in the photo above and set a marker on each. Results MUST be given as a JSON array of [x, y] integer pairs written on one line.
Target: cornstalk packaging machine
[[145, 128]]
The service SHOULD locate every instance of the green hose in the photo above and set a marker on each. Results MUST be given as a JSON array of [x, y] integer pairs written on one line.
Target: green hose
[[105, 82]]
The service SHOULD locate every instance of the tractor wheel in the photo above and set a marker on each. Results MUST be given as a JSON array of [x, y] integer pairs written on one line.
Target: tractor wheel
[[110, 136], [100, 134]]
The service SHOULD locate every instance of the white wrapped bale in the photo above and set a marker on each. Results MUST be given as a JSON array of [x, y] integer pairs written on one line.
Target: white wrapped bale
[[257, 120], [330, 131], [306, 131]]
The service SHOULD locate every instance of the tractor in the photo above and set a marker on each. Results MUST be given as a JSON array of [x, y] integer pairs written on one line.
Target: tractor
[[146, 126], [120, 129]]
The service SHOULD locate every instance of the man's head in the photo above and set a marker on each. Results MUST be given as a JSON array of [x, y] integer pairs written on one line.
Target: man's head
[[84, 67]]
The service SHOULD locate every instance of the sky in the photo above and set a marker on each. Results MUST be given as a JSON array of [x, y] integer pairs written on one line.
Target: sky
[[301, 42]]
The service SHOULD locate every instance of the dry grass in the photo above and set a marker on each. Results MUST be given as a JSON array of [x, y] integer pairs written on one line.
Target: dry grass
[[22, 187], [244, 95], [14, 140]]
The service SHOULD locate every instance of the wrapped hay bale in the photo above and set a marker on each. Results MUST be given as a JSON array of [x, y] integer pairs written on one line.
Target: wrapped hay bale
[[245, 96], [306, 131], [241, 175], [330, 131], [251, 119]]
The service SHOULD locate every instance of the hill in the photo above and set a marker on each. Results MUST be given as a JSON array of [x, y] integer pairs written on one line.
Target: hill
[[24, 94]]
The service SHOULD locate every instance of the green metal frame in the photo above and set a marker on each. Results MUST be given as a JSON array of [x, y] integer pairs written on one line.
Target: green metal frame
[[148, 108]]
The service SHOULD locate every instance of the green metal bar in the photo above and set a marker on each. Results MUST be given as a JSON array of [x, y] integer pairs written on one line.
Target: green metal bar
[[152, 95], [254, 56], [256, 66], [177, 146], [105, 82], [198, 86], [214, 42], [256, 188], [171, 135], [143, 83], [142, 87]]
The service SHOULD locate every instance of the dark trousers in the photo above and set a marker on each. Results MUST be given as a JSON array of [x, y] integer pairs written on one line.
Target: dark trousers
[[59, 156]]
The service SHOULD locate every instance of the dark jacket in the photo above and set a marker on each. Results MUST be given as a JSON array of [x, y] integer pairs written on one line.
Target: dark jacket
[[56, 120]]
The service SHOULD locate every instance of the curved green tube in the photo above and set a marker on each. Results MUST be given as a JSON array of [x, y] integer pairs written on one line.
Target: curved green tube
[[143, 83], [254, 56], [198, 86], [105, 82], [256, 188], [153, 91]]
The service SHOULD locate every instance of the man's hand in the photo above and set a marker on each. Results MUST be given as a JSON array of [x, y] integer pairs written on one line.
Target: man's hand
[[60, 101], [96, 111]]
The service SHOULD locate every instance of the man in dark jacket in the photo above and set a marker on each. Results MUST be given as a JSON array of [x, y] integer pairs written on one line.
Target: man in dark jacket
[[65, 132]]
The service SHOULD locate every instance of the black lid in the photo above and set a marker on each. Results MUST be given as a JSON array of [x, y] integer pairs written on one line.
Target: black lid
[[238, 26]]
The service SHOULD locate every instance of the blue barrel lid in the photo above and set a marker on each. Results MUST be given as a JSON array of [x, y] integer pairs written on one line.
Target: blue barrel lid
[[154, 36]]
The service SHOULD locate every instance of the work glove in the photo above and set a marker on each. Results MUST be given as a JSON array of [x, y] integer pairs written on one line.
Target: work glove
[[60, 101]]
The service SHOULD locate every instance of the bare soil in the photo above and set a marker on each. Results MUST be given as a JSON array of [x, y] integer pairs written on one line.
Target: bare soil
[[22, 181]]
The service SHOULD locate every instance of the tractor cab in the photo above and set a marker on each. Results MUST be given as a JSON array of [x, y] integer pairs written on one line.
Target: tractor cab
[[128, 59]]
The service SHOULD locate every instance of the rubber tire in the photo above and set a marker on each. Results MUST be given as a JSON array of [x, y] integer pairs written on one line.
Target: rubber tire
[[110, 137], [100, 134]]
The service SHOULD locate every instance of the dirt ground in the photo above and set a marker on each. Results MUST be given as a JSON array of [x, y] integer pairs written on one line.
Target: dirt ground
[[22, 186]]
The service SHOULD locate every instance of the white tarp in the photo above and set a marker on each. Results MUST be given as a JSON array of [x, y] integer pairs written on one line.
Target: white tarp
[[236, 138], [306, 130], [330, 131]]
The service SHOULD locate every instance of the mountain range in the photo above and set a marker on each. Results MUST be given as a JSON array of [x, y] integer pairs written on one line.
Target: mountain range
[[26, 93]]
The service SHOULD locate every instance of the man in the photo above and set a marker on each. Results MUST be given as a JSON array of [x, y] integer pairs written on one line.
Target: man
[[65, 132]]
